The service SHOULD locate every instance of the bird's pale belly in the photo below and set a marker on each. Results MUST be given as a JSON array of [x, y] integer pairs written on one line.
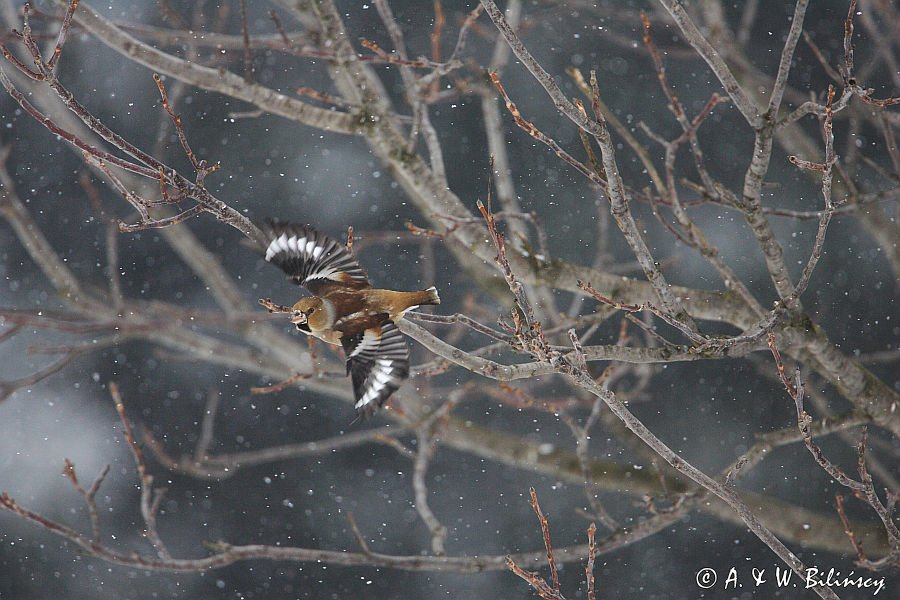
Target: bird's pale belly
[[329, 336]]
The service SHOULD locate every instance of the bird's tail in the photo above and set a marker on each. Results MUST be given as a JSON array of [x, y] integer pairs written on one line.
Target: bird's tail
[[413, 300], [397, 303], [429, 296]]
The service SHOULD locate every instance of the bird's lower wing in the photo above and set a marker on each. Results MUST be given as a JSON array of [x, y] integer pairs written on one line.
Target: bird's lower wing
[[378, 362]]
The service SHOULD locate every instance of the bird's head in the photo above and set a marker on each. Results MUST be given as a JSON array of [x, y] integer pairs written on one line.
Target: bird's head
[[310, 314]]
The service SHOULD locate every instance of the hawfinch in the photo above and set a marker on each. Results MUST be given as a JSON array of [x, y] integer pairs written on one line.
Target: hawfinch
[[345, 310]]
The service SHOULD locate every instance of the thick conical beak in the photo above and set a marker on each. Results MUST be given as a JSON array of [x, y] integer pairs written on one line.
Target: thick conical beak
[[298, 318]]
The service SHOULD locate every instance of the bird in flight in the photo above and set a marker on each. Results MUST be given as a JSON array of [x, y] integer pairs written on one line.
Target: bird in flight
[[345, 309]]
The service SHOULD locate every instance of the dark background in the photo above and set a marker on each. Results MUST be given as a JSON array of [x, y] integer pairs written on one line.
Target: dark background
[[273, 167]]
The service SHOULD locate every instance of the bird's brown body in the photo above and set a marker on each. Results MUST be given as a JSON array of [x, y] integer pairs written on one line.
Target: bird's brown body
[[345, 310]]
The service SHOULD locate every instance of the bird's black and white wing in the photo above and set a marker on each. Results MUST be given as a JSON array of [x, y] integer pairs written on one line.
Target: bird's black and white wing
[[378, 362], [312, 259]]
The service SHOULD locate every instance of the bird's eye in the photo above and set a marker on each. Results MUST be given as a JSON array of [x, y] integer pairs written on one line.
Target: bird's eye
[[310, 311]]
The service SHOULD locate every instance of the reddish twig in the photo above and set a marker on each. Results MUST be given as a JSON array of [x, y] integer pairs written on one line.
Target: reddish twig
[[281, 385], [596, 295], [616, 191], [848, 529], [245, 34], [425, 232], [702, 342], [324, 98], [779, 364], [199, 166], [418, 63], [824, 220], [278, 27], [693, 235], [69, 137], [226, 554], [150, 498], [274, 308], [436, 30], [845, 67], [536, 581], [349, 244], [533, 131], [145, 164], [63, 33], [551, 591], [864, 489], [589, 568], [545, 530], [522, 310], [543, 589], [89, 494], [817, 52]]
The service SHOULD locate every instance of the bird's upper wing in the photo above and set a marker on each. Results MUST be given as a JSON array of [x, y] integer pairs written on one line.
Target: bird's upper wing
[[378, 362], [312, 259]]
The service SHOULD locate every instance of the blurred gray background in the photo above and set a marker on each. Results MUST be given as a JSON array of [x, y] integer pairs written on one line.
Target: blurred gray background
[[275, 168]]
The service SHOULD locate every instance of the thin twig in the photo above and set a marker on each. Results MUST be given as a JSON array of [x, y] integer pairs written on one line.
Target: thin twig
[[787, 54], [545, 529], [89, 495], [589, 567], [207, 425], [150, 498], [544, 590], [363, 545], [615, 188], [863, 489], [684, 467], [248, 61]]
